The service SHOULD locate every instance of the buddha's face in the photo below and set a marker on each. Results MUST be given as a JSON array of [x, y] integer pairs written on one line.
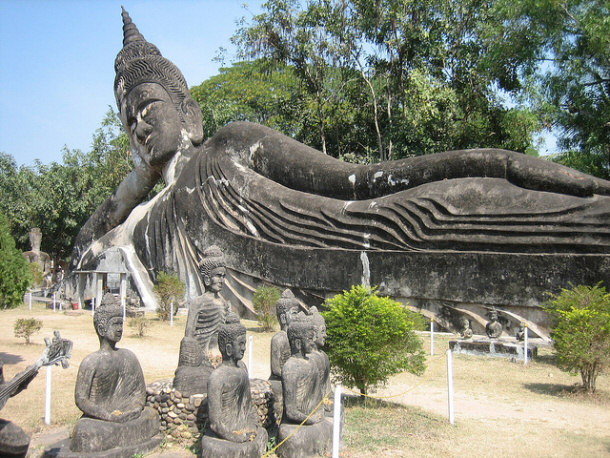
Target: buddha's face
[[113, 331], [215, 280], [320, 336], [308, 341], [238, 347], [153, 123]]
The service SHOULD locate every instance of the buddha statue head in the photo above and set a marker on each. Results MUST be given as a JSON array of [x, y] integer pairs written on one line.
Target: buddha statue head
[[319, 325], [301, 334], [108, 319], [212, 269], [285, 308], [153, 100], [232, 339]]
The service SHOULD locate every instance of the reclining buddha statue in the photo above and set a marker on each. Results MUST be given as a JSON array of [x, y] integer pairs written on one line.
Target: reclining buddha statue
[[477, 228]]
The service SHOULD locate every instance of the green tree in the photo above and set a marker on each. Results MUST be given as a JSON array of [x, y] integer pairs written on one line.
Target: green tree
[[15, 277], [251, 91], [25, 327], [415, 77], [563, 49], [264, 301], [581, 331], [370, 338], [170, 289]]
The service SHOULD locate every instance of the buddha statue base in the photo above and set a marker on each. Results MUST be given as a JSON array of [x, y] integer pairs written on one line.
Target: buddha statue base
[[213, 446], [97, 438], [305, 440], [13, 441]]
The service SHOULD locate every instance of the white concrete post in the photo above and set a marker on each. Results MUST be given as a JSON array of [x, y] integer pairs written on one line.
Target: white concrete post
[[337, 421], [123, 293], [431, 336], [54, 302], [47, 397], [450, 386], [525, 336], [250, 344]]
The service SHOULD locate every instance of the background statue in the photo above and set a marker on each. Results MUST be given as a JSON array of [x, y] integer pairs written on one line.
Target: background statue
[[13, 440], [111, 392], [493, 328], [280, 210], [234, 426], [303, 396], [206, 313]]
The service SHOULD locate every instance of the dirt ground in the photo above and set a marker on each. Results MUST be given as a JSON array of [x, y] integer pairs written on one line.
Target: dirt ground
[[503, 400]]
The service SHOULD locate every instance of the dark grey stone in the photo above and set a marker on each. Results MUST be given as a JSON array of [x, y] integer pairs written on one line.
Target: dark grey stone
[[111, 393], [234, 424]]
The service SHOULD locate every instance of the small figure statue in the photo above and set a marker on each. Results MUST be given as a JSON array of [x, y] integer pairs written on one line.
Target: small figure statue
[[206, 313], [320, 358], [111, 392], [465, 330], [234, 428], [13, 440], [520, 333], [493, 328], [303, 395], [36, 256]]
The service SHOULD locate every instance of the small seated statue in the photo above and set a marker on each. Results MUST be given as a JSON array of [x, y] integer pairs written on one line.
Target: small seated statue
[[234, 429], [493, 328], [205, 314], [111, 393], [303, 395], [14, 442], [465, 329], [285, 308]]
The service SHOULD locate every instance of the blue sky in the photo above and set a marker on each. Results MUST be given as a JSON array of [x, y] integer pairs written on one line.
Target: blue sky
[[57, 57]]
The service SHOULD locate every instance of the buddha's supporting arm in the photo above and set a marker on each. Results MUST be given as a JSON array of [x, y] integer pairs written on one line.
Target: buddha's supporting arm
[[130, 193]]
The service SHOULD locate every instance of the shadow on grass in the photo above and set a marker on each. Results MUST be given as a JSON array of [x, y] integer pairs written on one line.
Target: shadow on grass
[[553, 389], [8, 358], [549, 359]]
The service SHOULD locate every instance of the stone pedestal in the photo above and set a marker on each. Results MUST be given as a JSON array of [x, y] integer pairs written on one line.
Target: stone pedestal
[[306, 440], [98, 438], [492, 347], [13, 441], [214, 447]]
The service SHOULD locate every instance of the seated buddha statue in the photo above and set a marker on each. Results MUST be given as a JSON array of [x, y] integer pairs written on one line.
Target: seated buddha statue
[[111, 393], [305, 429], [234, 429]]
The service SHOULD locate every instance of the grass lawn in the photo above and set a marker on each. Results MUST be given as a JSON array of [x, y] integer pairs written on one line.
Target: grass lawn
[[502, 408]]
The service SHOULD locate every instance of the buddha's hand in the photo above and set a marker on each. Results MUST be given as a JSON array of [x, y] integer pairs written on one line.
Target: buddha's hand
[[244, 435], [124, 417]]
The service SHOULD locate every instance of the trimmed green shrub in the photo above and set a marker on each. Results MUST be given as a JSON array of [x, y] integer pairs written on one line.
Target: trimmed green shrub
[[264, 301], [169, 288], [25, 327], [15, 277], [581, 331], [370, 338]]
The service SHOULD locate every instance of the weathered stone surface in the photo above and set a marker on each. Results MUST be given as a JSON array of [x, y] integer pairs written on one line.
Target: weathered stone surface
[[234, 429], [206, 313], [303, 382], [111, 393]]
